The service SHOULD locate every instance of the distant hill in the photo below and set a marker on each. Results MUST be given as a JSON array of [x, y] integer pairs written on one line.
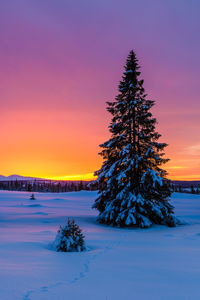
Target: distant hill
[[24, 178], [16, 177]]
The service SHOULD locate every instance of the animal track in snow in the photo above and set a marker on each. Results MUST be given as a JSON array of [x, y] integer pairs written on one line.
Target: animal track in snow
[[79, 276]]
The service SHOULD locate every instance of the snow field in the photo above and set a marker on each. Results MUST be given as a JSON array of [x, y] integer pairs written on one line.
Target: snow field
[[120, 264]]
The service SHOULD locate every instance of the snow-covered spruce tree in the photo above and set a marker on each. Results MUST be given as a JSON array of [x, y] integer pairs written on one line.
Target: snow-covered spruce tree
[[133, 189], [69, 238]]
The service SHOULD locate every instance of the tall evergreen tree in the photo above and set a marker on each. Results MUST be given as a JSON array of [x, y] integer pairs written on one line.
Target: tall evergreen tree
[[133, 188]]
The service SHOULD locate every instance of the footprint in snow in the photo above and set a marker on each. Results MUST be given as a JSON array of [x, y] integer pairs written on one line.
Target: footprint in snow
[[44, 289], [26, 296], [169, 235], [83, 273]]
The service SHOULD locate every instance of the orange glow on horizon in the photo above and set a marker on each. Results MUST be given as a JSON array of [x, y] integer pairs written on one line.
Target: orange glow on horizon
[[84, 177], [66, 147]]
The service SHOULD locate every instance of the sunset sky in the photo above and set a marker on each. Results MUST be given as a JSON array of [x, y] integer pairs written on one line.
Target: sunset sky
[[60, 61]]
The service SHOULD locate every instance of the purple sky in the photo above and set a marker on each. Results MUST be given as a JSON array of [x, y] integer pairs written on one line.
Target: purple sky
[[62, 60]]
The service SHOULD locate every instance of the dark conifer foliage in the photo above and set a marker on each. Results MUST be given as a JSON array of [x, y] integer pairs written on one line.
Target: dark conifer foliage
[[32, 197], [45, 186], [133, 189], [70, 238]]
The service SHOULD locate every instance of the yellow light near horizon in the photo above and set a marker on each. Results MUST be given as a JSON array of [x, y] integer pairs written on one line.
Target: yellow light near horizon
[[185, 178], [176, 167], [90, 176], [86, 177]]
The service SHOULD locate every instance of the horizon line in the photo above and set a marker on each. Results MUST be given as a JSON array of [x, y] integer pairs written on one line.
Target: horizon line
[[90, 176]]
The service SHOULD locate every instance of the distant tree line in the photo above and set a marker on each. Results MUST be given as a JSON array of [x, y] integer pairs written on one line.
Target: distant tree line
[[52, 186], [185, 189], [46, 186]]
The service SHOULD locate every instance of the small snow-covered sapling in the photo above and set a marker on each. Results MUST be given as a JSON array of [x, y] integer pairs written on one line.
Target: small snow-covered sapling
[[69, 238], [32, 197]]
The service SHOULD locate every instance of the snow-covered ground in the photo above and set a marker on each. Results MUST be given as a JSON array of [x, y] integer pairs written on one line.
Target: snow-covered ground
[[120, 264]]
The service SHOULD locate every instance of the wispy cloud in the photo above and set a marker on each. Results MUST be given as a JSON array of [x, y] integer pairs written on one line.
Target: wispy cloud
[[193, 150], [177, 167]]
